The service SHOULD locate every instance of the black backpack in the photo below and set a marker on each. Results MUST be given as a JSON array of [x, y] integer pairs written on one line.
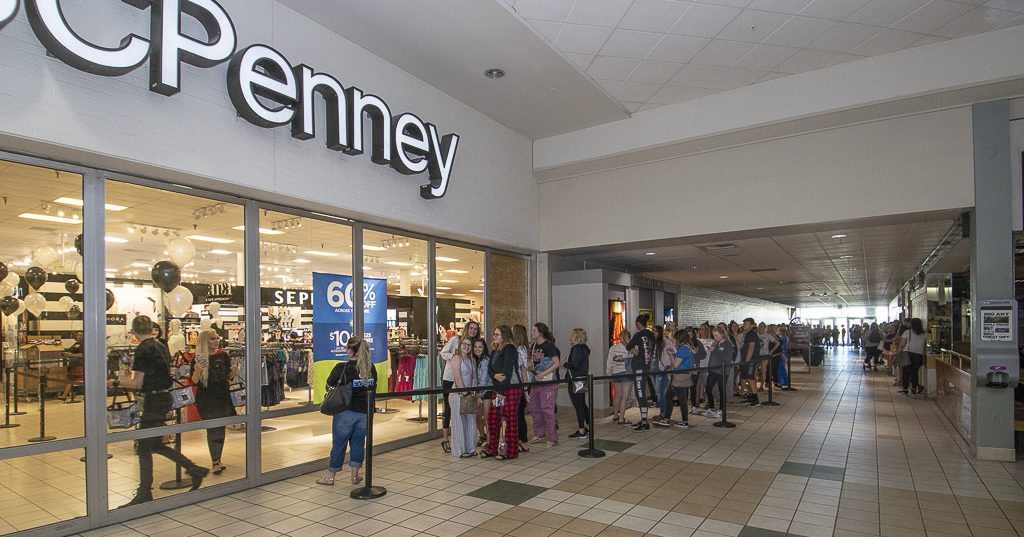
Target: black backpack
[[875, 336]]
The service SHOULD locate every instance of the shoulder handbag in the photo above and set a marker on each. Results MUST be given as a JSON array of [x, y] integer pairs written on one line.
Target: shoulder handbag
[[237, 393], [339, 399], [681, 379], [903, 359], [181, 395], [467, 405], [123, 414]]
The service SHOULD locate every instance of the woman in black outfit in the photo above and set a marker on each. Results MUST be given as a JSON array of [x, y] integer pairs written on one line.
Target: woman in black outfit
[[212, 376], [578, 367], [151, 377], [503, 370]]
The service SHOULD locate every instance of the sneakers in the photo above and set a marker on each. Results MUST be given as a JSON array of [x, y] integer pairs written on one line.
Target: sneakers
[[197, 474], [682, 425], [580, 435], [141, 497], [662, 422], [642, 426], [696, 411], [754, 402], [710, 413]]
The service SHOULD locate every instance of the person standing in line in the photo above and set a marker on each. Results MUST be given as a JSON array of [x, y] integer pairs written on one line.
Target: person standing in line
[[519, 339], [577, 367], [722, 352], [470, 331], [842, 333], [483, 409], [617, 358], [503, 371], [659, 363], [642, 348], [463, 425], [682, 363], [212, 376], [915, 345], [546, 360], [699, 379], [749, 353], [871, 347], [151, 378], [774, 356], [348, 427]]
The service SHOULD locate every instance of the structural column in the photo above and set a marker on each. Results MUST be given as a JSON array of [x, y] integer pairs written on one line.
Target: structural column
[[994, 366]]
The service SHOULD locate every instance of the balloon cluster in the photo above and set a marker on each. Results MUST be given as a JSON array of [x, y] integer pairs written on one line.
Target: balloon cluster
[[167, 276]]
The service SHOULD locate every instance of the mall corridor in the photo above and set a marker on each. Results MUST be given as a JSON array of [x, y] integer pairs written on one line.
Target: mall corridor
[[845, 455]]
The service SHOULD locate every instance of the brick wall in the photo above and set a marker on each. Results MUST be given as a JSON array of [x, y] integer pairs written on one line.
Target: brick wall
[[697, 305]]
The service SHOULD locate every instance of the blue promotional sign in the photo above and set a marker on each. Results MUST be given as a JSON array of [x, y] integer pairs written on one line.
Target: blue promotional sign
[[332, 325]]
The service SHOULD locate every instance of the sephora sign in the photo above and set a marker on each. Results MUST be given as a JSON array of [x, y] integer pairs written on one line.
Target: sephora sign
[[264, 87]]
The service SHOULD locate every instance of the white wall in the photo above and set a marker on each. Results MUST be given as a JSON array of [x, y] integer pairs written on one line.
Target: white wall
[[582, 306], [195, 137], [900, 165]]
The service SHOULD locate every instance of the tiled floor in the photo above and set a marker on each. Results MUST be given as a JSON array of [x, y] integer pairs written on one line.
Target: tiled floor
[[844, 456]]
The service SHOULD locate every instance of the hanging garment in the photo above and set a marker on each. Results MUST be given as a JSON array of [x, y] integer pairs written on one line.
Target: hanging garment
[[405, 374]]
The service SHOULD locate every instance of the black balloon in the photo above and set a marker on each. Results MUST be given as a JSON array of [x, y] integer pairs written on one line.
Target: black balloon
[[3, 271], [75, 312], [110, 298], [166, 275], [35, 277], [8, 305], [71, 286], [78, 244]]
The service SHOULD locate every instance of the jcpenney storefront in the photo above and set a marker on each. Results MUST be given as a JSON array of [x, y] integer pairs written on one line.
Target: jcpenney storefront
[[234, 167]]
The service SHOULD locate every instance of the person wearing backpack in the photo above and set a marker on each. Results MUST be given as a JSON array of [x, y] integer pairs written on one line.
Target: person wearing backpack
[[871, 350]]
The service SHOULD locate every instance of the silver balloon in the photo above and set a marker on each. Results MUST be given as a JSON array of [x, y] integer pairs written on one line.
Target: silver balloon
[[178, 301], [45, 255], [66, 302]]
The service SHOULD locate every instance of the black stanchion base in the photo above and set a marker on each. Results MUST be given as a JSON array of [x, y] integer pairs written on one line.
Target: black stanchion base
[[267, 428], [769, 403], [418, 420], [591, 453], [788, 389], [387, 411], [726, 424], [367, 493], [109, 456], [18, 413], [10, 426], [306, 403], [176, 484], [42, 439]]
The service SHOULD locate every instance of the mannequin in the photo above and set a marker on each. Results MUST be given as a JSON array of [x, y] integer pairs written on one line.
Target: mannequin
[[175, 339]]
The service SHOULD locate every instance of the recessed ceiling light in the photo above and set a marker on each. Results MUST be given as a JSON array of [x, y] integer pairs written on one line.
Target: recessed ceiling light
[[448, 281], [846, 257], [320, 253], [79, 203], [398, 263], [457, 271], [220, 252], [441, 287], [458, 294], [651, 253], [209, 239], [263, 231], [218, 271], [110, 270], [722, 277], [839, 236], [114, 239], [494, 73], [441, 293], [373, 248], [441, 258], [476, 290], [140, 265], [48, 218], [300, 260]]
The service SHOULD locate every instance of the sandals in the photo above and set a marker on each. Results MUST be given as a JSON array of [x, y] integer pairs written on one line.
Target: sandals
[[524, 447], [357, 480], [486, 455], [467, 455], [218, 468], [446, 446], [327, 481]]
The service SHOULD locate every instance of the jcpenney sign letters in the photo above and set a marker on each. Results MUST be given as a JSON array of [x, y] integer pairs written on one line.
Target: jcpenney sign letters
[[264, 87]]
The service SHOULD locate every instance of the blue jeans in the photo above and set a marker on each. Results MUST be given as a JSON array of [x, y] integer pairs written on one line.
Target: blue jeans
[[348, 428], [661, 386]]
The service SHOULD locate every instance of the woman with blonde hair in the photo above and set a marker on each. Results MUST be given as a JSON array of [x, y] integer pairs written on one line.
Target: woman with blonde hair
[[618, 363], [212, 375], [463, 425], [577, 367], [349, 426]]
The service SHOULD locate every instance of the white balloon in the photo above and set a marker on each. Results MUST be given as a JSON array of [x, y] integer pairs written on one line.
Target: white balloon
[[205, 323], [45, 255], [79, 272], [174, 327], [66, 302], [12, 279], [218, 322], [35, 303], [181, 251], [213, 308], [21, 308], [178, 301], [6, 289]]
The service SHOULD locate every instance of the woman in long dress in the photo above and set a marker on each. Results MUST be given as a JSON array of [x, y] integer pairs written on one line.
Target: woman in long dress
[[463, 425]]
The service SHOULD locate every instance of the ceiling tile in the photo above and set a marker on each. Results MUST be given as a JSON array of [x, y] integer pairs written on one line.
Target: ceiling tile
[[632, 91], [772, 76], [677, 48], [609, 68], [696, 76], [847, 58], [581, 39], [547, 29], [723, 53], [933, 16], [886, 42], [884, 12], [648, 106], [844, 37], [753, 26], [976, 21], [799, 31], [791, 7], [730, 3], [598, 12], [702, 20], [836, 10], [806, 60], [653, 15], [765, 57], [1008, 5], [669, 94], [651, 72], [608, 85], [632, 107], [579, 60], [545, 10], [736, 78], [629, 44]]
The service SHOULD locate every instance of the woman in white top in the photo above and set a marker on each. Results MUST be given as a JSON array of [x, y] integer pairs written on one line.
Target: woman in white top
[[463, 425], [618, 357], [915, 347], [472, 332]]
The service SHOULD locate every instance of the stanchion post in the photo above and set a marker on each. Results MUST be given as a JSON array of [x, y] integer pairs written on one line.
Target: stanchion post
[[7, 401], [42, 413], [368, 491], [17, 412], [721, 393], [591, 452], [789, 369], [770, 380]]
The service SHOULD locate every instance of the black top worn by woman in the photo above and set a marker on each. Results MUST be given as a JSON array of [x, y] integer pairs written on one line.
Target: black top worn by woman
[[506, 362], [578, 363], [350, 372], [214, 399]]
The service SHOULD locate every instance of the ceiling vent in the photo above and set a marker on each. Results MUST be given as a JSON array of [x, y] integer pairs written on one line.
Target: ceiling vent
[[764, 270], [711, 248]]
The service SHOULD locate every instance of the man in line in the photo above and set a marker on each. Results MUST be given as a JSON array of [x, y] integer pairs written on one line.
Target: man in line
[[749, 360]]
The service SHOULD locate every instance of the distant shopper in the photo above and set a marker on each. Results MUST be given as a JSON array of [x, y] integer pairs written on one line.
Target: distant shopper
[[577, 367], [463, 425], [151, 376], [618, 358], [642, 347], [212, 376], [542, 398], [348, 428]]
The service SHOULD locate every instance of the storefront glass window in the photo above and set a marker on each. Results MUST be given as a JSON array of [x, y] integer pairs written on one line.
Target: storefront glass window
[[460, 290], [41, 303], [41, 489]]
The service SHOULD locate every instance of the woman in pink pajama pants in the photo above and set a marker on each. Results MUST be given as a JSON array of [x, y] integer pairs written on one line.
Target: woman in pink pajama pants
[[546, 360]]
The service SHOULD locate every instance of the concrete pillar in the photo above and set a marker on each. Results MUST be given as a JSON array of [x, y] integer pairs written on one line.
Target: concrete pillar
[[992, 284], [659, 307]]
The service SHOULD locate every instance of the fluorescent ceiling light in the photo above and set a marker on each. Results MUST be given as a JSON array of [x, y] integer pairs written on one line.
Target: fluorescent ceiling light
[[48, 218], [440, 287], [651, 253], [367, 268], [140, 265], [218, 271], [457, 271], [458, 294], [373, 248], [204, 238], [839, 236], [110, 270], [300, 260], [79, 203], [398, 263], [221, 252], [448, 281], [440, 258], [723, 277], [114, 239], [441, 293], [263, 231], [476, 290], [320, 253]]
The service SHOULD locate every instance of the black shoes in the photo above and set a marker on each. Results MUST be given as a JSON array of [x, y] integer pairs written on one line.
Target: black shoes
[[582, 436], [197, 474], [141, 496], [752, 401], [642, 426]]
